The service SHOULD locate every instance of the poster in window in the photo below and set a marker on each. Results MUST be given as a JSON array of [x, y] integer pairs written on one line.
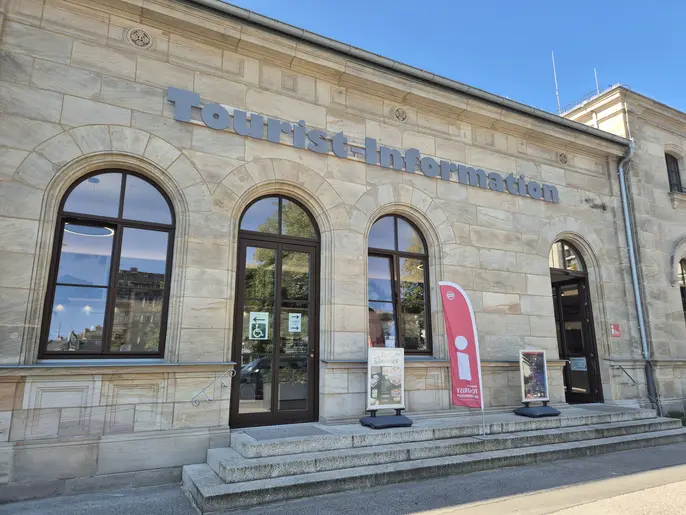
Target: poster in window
[[578, 364], [534, 375], [385, 378]]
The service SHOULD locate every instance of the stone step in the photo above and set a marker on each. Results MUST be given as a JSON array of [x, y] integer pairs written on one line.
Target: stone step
[[354, 435], [231, 467], [211, 494]]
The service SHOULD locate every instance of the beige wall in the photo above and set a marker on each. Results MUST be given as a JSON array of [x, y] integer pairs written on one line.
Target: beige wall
[[76, 96]]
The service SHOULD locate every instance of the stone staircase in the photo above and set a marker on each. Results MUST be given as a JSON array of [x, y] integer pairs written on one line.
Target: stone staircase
[[265, 465]]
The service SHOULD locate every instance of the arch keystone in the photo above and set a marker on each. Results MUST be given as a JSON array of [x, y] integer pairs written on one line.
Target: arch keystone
[[238, 180], [126, 139], [92, 138], [60, 149], [161, 152]]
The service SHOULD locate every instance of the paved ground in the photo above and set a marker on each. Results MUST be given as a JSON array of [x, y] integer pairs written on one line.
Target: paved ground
[[647, 481]]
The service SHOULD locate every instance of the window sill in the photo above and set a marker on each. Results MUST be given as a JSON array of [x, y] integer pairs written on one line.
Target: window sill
[[60, 367], [410, 361], [678, 199]]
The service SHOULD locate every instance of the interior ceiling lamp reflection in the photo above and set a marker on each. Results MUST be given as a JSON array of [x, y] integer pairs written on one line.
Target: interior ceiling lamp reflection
[[88, 230]]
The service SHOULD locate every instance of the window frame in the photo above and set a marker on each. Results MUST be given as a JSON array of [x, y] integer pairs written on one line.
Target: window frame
[[279, 235], [577, 254], [395, 257], [673, 173], [118, 224], [681, 276]]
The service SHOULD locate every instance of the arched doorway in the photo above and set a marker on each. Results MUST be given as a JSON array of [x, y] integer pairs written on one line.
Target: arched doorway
[[276, 324], [574, 321]]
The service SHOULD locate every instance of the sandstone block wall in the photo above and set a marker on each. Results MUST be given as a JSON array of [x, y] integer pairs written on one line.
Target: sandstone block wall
[[77, 96]]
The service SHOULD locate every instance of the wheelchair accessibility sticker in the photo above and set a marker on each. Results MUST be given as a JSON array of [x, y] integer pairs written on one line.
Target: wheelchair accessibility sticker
[[259, 325]]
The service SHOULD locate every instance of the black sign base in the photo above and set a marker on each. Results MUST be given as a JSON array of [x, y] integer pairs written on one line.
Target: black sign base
[[537, 412], [386, 421]]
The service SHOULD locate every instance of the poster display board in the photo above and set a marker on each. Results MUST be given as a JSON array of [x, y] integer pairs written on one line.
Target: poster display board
[[385, 379], [533, 371]]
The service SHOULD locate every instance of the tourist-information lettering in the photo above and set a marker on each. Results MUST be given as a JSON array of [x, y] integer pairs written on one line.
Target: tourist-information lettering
[[252, 125]]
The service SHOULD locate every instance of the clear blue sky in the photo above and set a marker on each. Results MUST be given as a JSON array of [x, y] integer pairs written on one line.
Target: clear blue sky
[[503, 46]]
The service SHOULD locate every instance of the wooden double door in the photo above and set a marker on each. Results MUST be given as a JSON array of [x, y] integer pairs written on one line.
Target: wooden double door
[[576, 337], [275, 333]]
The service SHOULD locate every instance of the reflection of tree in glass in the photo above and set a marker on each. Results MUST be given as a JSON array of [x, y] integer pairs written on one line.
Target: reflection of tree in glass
[[259, 275], [261, 266], [412, 301], [295, 281], [295, 222]]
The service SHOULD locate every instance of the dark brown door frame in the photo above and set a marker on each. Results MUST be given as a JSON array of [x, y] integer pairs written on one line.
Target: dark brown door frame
[[588, 332], [279, 244]]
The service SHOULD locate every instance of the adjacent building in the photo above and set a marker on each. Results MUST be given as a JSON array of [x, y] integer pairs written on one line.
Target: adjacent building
[[190, 189], [658, 200]]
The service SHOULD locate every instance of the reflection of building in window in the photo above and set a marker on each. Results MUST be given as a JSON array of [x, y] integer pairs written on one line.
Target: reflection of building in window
[[138, 310], [85, 341], [682, 284], [376, 337]]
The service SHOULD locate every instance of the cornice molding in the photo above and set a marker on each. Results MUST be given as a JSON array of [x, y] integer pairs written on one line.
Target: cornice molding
[[270, 40]]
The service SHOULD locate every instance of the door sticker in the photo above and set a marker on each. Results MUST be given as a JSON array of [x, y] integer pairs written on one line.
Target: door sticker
[[294, 322], [578, 364], [259, 325], [614, 330]]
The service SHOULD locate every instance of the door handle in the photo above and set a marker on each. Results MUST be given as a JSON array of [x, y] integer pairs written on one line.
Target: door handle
[[312, 355]]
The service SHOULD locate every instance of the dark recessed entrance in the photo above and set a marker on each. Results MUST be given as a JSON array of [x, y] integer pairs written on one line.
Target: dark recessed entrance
[[574, 320], [276, 323]]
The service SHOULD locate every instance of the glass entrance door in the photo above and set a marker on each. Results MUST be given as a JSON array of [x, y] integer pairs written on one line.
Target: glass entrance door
[[275, 342], [576, 340]]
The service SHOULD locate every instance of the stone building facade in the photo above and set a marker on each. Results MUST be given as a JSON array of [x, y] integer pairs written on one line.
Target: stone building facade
[[658, 199], [89, 92]]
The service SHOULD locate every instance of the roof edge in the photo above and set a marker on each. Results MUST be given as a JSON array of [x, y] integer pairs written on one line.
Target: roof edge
[[402, 68]]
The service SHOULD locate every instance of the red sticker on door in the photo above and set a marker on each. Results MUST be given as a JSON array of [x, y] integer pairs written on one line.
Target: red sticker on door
[[614, 330]]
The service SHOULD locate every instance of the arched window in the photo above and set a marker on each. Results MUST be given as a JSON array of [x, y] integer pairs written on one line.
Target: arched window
[[109, 280], [682, 284], [673, 173], [565, 257], [398, 286]]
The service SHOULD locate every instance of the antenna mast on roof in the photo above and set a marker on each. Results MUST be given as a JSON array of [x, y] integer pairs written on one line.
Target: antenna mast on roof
[[597, 88], [557, 92]]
